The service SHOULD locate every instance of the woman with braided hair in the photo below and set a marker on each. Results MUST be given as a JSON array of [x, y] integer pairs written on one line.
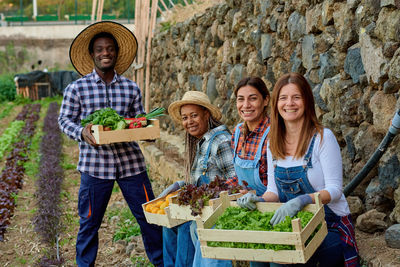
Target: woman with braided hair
[[208, 154]]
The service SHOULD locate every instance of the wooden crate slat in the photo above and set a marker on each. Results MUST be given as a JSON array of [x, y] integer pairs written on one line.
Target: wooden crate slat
[[126, 135], [160, 219], [316, 241], [245, 236], [297, 238], [242, 254], [319, 217]]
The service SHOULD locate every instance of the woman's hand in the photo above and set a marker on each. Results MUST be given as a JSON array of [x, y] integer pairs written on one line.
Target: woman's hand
[[249, 200], [290, 208]]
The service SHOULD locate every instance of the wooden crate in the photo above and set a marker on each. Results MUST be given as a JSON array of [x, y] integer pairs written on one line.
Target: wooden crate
[[298, 237], [161, 219], [184, 212], [126, 135]]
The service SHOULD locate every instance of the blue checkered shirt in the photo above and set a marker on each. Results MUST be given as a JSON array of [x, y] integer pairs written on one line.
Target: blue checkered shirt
[[221, 156], [88, 94]]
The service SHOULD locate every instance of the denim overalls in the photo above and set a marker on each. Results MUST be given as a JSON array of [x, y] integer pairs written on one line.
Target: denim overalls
[[199, 261], [179, 241], [248, 170], [292, 182], [204, 179]]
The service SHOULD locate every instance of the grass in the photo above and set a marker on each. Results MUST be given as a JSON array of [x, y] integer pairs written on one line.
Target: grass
[[181, 13]]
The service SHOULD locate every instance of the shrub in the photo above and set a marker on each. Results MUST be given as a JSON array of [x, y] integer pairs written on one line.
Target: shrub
[[7, 88]]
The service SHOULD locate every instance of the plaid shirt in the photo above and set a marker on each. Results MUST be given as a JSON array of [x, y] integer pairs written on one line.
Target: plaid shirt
[[247, 149], [220, 161], [88, 94]]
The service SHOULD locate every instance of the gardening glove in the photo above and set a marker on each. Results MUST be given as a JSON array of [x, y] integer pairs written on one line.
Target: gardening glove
[[88, 136], [290, 208], [249, 200], [172, 188]]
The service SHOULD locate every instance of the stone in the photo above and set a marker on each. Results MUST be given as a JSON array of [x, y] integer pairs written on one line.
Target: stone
[[309, 56], [376, 197], [238, 21], [129, 248], [372, 58], [327, 12], [356, 206], [388, 25], [392, 236], [329, 66], [211, 87], [318, 100], [238, 72], [367, 12], [353, 64], [267, 43], [390, 87], [371, 221], [296, 25], [390, 3], [395, 214], [314, 19], [195, 82], [382, 106], [297, 65], [394, 66], [344, 24], [389, 48]]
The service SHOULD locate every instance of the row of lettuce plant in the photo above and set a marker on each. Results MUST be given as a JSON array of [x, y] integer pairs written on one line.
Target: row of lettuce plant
[[11, 177], [48, 188]]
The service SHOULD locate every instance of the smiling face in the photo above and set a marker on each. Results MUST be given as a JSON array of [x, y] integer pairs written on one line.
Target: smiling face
[[250, 105], [291, 104], [104, 54], [195, 120]]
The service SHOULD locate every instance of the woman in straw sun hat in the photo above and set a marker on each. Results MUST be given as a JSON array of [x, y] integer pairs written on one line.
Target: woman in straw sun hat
[[101, 53], [208, 155]]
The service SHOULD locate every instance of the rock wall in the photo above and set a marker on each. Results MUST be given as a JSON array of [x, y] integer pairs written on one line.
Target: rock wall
[[348, 50]]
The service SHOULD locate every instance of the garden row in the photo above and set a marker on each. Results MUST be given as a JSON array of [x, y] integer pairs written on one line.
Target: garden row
[[11, 177], [48, 188]]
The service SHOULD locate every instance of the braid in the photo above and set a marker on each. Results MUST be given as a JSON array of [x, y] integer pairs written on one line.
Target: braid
[[191, 147]]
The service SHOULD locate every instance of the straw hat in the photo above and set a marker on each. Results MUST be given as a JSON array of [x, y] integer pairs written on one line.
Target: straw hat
[[194, 98], [79, 50]]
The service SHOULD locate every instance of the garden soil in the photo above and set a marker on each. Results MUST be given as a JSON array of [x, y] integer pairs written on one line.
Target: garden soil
[[22, 246]]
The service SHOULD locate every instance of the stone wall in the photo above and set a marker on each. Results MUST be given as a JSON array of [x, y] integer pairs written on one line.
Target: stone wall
[[348, 50]]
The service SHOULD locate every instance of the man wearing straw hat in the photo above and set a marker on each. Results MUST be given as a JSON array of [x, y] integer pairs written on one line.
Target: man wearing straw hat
[[101, 53]]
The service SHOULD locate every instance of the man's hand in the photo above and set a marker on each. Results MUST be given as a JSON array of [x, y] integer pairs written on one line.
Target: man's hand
[[88, 136]]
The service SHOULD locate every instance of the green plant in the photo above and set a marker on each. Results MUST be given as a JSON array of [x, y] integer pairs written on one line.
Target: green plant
[[126, 224], [141, 262], [7, 88]]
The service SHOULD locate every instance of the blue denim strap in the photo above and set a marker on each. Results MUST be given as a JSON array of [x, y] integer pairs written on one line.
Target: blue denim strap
[[307, 158], [207, 156]]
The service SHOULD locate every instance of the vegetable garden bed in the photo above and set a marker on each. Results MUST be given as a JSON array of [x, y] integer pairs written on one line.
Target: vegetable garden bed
[[305, 240]]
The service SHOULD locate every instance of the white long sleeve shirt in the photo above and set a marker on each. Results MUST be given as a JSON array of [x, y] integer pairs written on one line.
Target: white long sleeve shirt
[[326, 173]]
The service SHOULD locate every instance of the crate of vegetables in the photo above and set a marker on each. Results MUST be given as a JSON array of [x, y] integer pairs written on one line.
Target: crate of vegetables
[[193, 201], [157, 212], [109, 127], [233, 233]]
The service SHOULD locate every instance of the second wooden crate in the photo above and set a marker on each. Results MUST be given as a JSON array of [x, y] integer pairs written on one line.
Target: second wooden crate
[[297, 238]]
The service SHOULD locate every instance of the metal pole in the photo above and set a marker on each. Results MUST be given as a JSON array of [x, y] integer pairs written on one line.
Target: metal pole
[[21, 11], [127, 8], [34, 9], [76, 11]]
